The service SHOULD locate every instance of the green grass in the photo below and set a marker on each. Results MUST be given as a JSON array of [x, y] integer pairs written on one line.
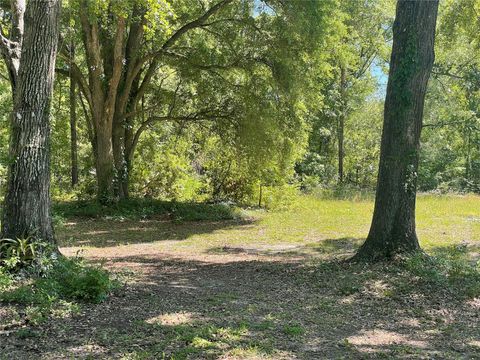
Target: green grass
[[202, 341], [293, 330], [317, 225], [269, 286], [449, 269], [310, 226]]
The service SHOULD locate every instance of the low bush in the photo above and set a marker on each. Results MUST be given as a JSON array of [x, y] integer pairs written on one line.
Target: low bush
[[68, 279], [73, 279], [145, 208], [279, 197], [46, 283], [5, 279], [203, 212], [26, 256], [344, 192]]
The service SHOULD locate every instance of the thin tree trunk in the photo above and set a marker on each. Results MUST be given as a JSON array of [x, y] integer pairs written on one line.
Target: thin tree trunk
[[468, 160], [260, 196], [73, 129], [118, 145], [341, 123], [27, 201], [393, 225]]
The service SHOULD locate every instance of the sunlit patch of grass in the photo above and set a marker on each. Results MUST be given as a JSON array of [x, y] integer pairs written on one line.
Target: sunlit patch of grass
[[207, 339], [311, 225], [294, 330], [444, 220], [326, 226], [172, 318], [250, 352]]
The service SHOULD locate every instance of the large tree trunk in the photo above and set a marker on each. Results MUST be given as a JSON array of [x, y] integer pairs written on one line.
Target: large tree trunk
[[104, 163], [105, 68], [27, 201], [393, 225]]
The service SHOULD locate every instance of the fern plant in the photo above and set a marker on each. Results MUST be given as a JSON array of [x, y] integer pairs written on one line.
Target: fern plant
[[20, 252]]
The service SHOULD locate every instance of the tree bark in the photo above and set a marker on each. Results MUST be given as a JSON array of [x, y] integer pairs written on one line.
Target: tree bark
[[105, 68], [393, 225], [27, 201], [104, 163]]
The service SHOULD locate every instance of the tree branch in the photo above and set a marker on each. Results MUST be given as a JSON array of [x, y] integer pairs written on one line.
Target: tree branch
[[194, 24], [75, 71], [199, 22], [117, 67], [205, 115]]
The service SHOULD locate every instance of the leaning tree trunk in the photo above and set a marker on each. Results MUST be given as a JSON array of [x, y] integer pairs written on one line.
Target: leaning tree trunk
[[393, 225], [27, 201]]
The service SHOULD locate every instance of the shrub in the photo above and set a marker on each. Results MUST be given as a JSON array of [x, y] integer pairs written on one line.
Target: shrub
[[28, 255], [17, 252], [203, 212], [5, 279], [73, 279], [57, 290], [69, 279], [279, 197], [144, 208], [344, 192]]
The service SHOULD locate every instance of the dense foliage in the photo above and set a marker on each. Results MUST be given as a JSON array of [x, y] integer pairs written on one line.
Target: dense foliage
[[254, 98]]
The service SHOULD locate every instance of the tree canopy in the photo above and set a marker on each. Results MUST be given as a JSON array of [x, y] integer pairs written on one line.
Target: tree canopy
[[199, 100]]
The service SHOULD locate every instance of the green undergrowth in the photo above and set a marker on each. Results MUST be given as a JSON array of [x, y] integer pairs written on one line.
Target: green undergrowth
[[198, 340], [57, 291], [450, 273], [343, 192], [449, 269], [144, 208]]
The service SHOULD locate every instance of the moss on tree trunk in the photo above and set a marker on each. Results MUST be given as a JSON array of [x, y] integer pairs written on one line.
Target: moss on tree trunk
[[393, 225]]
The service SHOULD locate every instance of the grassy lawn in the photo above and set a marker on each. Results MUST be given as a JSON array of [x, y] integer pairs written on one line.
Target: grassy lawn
[[310, 226], [267, 285]]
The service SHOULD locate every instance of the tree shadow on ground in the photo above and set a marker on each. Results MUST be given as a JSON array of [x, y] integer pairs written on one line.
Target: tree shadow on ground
[[341, 247], [178, 308], [106, 233]]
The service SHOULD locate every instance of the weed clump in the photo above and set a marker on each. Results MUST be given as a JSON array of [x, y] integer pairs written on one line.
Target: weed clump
[[36, 277], [449, 269]]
